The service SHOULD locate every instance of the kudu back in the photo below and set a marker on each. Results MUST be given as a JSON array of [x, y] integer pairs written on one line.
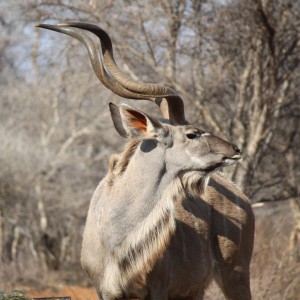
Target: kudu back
[[161, 223]]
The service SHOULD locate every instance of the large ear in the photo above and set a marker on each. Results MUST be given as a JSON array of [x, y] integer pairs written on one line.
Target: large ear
[[133, 123], [117, 120]]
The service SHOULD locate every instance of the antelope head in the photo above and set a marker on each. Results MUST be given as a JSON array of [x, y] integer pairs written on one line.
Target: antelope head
[[186, 148]]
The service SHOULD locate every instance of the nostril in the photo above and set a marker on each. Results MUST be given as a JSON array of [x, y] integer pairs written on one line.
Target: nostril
[[236, 149]]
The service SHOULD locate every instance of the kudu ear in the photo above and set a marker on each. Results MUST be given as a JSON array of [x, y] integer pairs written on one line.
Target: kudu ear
[[130, 122]]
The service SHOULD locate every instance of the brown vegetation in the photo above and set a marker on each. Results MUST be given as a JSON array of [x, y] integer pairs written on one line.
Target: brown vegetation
[[235, 63]]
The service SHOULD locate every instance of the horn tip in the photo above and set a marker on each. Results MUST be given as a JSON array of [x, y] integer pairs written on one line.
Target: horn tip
[[45, 26], [39, 25]]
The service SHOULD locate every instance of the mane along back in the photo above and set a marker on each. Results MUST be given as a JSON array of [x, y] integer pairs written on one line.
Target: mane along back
[[119, 162]]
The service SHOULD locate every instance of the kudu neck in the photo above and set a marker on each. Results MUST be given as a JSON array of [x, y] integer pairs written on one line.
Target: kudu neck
[[140, 194], [147, 169]]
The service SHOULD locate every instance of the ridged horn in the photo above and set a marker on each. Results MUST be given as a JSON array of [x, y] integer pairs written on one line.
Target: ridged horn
[[110, 75]]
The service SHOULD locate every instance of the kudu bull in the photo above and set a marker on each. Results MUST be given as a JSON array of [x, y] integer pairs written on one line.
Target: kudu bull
[[160, 224]]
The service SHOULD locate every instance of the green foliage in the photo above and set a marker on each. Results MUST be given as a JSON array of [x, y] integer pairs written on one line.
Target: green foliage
[[13, 295]]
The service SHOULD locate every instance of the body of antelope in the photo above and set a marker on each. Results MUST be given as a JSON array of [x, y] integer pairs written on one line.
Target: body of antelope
[[162, 224]]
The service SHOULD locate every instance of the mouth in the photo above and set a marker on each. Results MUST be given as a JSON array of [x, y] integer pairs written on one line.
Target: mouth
[[231, 160]]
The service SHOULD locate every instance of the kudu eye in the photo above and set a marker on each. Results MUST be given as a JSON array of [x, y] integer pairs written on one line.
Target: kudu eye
[[191, 136]]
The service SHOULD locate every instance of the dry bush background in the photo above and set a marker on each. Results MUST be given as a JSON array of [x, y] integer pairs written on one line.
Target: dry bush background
[[235, 63]]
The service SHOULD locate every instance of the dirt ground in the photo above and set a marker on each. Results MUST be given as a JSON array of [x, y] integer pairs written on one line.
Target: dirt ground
[[75, 292]]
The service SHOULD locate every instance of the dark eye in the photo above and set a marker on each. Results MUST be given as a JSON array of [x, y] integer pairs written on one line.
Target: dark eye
[[191, 136]]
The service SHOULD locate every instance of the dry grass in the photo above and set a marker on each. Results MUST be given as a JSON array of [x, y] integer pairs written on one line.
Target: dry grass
[[13, 295]]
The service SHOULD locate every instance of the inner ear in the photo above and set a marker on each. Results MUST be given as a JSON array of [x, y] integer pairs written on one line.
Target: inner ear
[[136, 119]]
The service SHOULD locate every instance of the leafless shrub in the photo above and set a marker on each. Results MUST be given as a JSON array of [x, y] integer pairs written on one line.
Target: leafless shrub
[[235, 62]]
